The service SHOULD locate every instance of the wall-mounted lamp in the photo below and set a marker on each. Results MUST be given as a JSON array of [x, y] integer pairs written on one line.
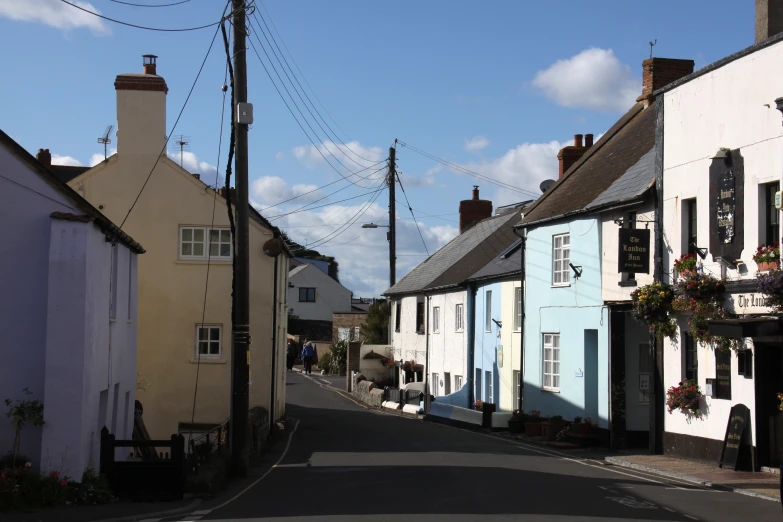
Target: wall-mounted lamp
[[291, 285], [499, 323], [701, 252], [723, 154], [730, 263], [577, 270], [618, 222]]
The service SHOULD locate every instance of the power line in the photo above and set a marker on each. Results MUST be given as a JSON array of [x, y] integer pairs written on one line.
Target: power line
[[149, 5], [463, 170], [297, 108], [141, 26], [414, 215], [302, 89], [321, 206], [168, 137], [305, 79], [353, 220]]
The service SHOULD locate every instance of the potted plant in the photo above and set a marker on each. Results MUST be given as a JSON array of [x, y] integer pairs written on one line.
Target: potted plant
[[516, 424], [551, 427], [478, 405], [652, 304], [533, 424], [686, 397], [767, 257], [581, 426], [685, 265], [771, 285], [780, 401]]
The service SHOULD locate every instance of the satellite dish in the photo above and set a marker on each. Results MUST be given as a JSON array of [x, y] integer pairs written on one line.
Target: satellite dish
[[546, 185]]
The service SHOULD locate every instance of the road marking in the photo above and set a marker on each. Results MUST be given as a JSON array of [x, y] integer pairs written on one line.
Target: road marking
[[668, 509], [700, 489], [202, 512], [632, 503], [327, 382], [692, 518], [191, 519], [262, 477]]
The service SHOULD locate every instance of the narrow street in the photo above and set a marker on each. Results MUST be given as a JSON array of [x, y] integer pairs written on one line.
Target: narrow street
[[346, 462]]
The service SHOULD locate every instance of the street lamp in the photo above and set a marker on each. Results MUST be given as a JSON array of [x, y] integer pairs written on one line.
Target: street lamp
[[392, 251]]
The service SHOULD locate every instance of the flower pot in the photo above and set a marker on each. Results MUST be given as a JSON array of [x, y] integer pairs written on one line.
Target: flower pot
[[516, 426], [533, 429], [686, 273], [765, 266], [582, 428], [549, 430]]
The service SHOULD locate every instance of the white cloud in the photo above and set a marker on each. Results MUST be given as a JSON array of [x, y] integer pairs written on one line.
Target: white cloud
[[476, 144], [54, 14], [97, 158], [280, 156], [65, 160], [192, 164], [352, 155], [270, 190], [593, 79]]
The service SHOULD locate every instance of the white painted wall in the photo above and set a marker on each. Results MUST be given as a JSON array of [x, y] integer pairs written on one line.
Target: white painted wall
[[732, 106], [448, 347], [406, 343], [330, 296], [511, 338], [610, 239]]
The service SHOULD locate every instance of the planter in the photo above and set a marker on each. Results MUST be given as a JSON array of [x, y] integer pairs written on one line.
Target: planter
[[516, 426], [686, 273], [487, 409], [533, 429], [766, 266], [549, 430], [582, 428]]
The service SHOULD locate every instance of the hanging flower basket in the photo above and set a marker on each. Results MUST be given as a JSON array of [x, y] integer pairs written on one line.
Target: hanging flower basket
[[686, 265], [652, 304], [686, 397], [767, 257], [771, 285]]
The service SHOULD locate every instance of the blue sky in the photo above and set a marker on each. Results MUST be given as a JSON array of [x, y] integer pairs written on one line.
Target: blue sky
[[497, 87]]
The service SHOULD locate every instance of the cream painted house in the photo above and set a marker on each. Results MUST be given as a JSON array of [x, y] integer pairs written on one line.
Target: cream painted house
[[511, 340], [184, 226]]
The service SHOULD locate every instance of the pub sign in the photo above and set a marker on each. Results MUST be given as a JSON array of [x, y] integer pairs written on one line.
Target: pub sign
[[634, 250]]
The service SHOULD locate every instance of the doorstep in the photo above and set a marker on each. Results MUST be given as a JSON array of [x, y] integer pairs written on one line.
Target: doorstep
[[760, 484]]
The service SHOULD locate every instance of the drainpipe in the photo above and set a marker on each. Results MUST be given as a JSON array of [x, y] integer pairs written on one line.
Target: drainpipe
[[275, 309], [523, 237], [427, 356], [471, 332], [657, 403]]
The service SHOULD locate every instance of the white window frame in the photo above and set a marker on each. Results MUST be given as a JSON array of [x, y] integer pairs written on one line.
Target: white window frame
[[357, 331], [488, 311], [488, 391], [517, 308], [551, 355], [517, 387], [436, 319], [205, 243], [457, 383], [197, 340], [435, 387], [459, 317], [561, 253]]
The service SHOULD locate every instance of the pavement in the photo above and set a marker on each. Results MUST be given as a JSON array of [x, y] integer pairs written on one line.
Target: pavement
[[344, 461]]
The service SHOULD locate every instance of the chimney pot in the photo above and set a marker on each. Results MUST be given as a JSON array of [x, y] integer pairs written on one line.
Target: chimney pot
[[475, 193], [44, 157], [588, 140], [471, 211], [150, 64], [577, 140]]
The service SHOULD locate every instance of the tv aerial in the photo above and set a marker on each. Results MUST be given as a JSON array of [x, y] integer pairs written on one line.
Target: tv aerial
[[546, 185], [106, 140], [183, 143]]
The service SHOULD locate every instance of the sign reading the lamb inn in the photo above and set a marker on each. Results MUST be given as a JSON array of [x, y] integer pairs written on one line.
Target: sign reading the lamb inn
[[634, 250], [727, 207]]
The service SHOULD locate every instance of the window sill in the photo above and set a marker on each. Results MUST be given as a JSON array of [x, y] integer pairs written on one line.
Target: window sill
[[631, 282], [397, 330], [551, 390], [209, 360], [436, 331], [459, 331], [419, 332], [213, 261], [561, 286]]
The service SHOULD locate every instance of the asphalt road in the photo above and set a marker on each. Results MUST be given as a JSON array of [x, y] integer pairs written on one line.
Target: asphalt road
[[345, 462]]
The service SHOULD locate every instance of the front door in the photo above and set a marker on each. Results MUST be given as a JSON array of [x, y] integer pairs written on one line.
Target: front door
[[769, 419]]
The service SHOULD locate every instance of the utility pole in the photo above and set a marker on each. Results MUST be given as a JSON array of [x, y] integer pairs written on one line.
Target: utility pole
[[240, 354], [392, 230]]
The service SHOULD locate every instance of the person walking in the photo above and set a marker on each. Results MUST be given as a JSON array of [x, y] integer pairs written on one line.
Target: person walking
[[290, 354], [308, 355]]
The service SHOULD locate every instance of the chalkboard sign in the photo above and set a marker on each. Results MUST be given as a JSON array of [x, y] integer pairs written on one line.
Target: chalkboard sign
[[739, 422], [722, 374]]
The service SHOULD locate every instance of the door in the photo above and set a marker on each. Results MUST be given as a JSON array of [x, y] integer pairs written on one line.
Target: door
[[591, 374], [769, 419], [447, 384]]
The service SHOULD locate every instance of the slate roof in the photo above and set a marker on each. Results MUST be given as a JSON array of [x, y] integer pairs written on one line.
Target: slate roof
[[631, 185], [506, 263], [461, 257], [620, 148], [66, 173], [91, 213]]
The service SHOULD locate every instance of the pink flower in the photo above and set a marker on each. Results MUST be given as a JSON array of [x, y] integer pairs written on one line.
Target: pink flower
[[63, 483], [28, 464], [54, 474], [15, 490]]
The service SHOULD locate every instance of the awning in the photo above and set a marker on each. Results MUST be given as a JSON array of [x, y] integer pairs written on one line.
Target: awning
[[750, 327]]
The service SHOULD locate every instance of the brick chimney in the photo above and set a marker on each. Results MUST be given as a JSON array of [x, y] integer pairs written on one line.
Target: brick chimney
[[471, 211], [769, 19], [44, 157], [569, 155], [658, 72], [141, 110], [232, 192]]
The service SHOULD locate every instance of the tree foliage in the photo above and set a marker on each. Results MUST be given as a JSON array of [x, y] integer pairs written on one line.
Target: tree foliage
[[376, 329]]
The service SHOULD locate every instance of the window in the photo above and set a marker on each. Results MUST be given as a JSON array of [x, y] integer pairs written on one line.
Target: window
[[690, 230], [306, 295], [488, 311], [771, 216], [517, 389], [477, 385], [561, 256], [343, 333], [357, 332], [420, 317], [436, 319], [691, 372], [645, 373], [447, 383], [458, 382], [459, 317], [435, 385], [745, 363], [518, 308], [552, 362], [397, 314], [192, 243], [208, 340], [488, 386]]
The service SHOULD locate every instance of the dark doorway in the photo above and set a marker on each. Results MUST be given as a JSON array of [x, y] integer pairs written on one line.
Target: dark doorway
[[769, 419]]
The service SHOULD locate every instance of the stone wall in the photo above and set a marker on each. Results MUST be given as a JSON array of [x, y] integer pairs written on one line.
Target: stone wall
[[368, 393]]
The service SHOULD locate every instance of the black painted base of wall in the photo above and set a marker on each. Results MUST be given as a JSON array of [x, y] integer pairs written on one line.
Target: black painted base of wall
[[701, 448], [637, 439]]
